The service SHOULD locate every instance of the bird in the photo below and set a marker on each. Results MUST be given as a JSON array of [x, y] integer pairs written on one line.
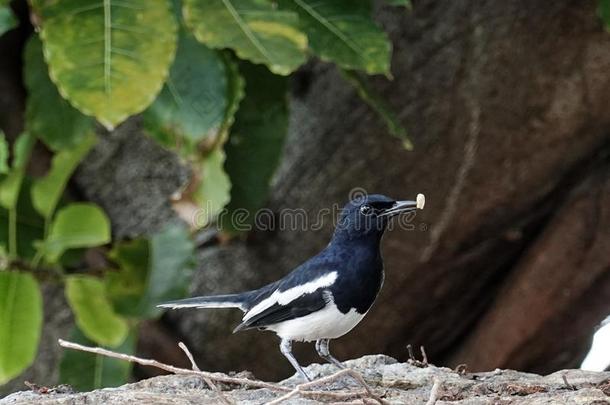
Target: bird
[[329, 294]]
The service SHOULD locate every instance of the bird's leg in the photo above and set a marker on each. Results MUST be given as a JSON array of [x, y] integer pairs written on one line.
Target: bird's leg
[[324, 352], [286, 349]]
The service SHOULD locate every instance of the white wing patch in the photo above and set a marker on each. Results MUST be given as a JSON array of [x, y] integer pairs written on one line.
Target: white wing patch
[[289, 295], [211, 304]]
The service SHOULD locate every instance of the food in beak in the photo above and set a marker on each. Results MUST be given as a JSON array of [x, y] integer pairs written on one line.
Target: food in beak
[[421, 201]]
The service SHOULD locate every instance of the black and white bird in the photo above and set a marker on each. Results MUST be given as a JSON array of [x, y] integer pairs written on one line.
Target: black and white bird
[[329, 294]]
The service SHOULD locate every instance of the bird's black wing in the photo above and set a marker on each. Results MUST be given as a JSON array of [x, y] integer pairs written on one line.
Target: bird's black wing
[[301, 306]]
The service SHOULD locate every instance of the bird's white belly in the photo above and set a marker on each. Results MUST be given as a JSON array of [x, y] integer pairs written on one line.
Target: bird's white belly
[[328, 323]]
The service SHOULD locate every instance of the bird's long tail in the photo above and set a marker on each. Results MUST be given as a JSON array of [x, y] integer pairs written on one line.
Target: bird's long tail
[[212, 301]]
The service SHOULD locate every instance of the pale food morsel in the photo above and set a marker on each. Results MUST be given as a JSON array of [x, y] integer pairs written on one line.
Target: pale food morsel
[[421, 201]]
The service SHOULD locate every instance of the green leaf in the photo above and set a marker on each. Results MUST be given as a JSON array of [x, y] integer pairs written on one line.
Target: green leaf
[[20, 322], [377, 103], [87, 371], [257, 137], [604, 13], [236, 92], [255, 29], [49, 116], [7, 19], [76, 225], [29, 226], [11, 184], [164, 274], [109, 59], [3, 154], [171, 266], [47, 190], [192, 104], [214, 191], [126, 286], [93, 311], [343, 32]]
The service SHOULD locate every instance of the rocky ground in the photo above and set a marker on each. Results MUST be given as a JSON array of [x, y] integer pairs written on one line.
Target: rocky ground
[[394, 382]]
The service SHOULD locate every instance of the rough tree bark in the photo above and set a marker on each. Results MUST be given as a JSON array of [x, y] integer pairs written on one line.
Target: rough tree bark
[[507, 105]]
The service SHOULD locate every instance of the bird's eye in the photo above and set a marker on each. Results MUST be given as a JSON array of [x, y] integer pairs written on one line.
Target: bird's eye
[[366, 209]]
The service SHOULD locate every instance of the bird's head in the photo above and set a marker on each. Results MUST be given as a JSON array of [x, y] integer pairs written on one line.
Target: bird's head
[[369, 215]]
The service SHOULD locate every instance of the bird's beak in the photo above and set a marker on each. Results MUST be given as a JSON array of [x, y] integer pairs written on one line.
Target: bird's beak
[[405, 206]]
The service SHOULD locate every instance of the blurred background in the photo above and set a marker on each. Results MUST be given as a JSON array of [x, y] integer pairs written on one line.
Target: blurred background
[[135, 132]]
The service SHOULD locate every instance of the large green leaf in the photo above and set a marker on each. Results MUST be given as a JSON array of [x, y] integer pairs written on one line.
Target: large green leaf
[[49, 116], [87, 371], [143, 282], [256, 140], [377, 103], [3, 154], [214, 191], [343, 31], [192, 104], [47, 190], [109, 58], [7, 19], [255, 29], [11, 184], [93, 311], [20, 322], [77, 225]]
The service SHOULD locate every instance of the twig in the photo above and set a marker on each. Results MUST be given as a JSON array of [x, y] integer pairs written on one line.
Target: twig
[[565, 380], [434, 392], [300, 389], [410, 350], [209, 382], [176, 370], [189, 355], [424, 357], [412, 360], [219, 377], [461, 369]]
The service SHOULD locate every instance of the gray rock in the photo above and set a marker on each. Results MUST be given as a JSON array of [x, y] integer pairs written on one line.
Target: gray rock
[[397, 383]]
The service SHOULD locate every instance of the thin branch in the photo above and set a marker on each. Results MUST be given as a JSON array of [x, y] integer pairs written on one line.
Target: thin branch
[[434, 392], [219, 377], [301, 389], [424, 357], [565, 380], [410, 350], [189, 355], [209, 382]]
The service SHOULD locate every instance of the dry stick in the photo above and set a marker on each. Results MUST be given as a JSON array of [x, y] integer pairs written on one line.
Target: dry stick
[[299, 389], [176, 370], [186, 351], [209, 382], [434, 392], [410, 350], [218, 377], [424, 357]]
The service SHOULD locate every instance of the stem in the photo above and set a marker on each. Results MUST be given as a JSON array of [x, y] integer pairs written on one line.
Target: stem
[[36, 259], [12, 233]]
